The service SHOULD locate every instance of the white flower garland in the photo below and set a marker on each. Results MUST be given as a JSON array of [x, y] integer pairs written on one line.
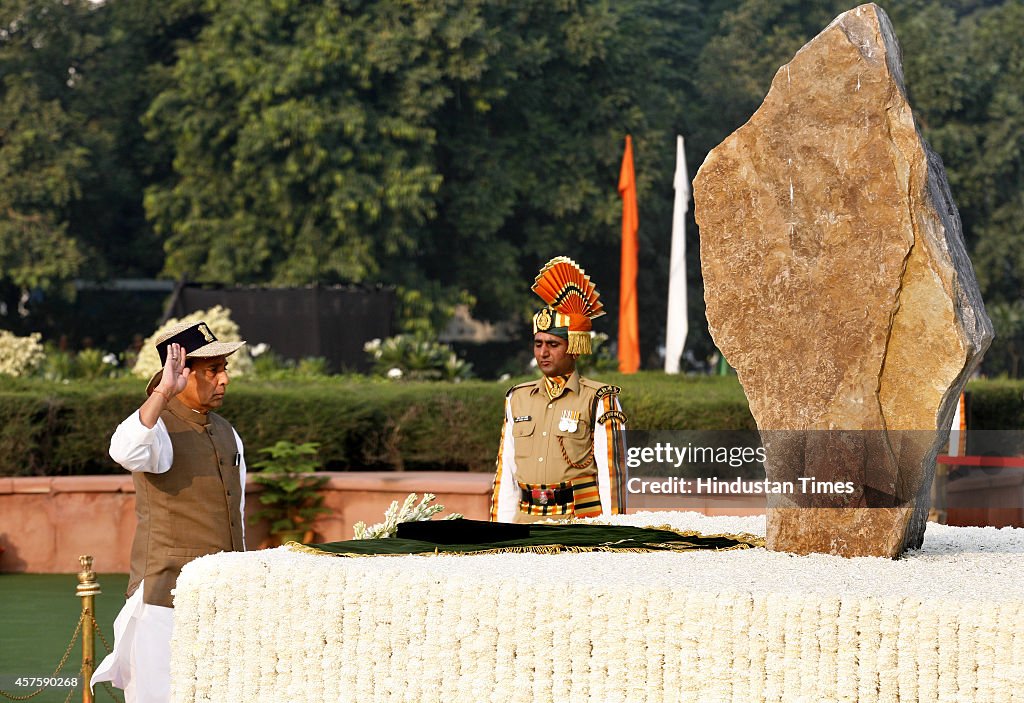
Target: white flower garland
[[945, 623]]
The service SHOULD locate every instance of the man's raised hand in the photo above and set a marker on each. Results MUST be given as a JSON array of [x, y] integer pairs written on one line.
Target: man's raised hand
[[175, 375]]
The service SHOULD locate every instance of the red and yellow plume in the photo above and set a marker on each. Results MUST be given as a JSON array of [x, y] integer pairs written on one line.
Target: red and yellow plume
[[572, 302]]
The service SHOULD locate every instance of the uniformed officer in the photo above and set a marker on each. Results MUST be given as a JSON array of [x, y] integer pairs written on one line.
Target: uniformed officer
[[561, 445]]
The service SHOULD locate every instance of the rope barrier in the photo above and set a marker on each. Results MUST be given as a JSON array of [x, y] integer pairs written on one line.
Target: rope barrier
[[100, 633], [63, 661]]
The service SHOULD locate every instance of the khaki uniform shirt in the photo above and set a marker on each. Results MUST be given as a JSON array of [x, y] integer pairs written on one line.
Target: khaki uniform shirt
[[547, 441]]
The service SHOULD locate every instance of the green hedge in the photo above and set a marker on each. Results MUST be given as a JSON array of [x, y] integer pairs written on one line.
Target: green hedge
[[996, 404], [64, 429]]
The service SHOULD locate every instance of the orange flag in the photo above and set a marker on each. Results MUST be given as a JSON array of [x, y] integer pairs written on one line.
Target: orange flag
[[629, 327]]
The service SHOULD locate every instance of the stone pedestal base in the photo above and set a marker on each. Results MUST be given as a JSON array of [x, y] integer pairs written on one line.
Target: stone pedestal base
[[845, 532]]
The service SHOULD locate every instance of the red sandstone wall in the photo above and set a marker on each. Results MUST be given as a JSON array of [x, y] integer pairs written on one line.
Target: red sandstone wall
[[46, 523]]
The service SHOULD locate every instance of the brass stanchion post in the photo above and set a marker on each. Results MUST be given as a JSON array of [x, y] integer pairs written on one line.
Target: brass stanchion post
[[87, 588]]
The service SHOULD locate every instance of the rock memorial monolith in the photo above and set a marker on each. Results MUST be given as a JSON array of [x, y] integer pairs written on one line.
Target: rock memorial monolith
[[838, 286]]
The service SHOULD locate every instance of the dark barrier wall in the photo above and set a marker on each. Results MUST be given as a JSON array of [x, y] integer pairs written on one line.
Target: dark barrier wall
[[332, 322]]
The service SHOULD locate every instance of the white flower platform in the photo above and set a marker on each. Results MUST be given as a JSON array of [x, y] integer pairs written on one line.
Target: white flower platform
[[946, 623]]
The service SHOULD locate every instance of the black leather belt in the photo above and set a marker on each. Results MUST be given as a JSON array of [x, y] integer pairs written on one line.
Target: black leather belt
[[547, 496]]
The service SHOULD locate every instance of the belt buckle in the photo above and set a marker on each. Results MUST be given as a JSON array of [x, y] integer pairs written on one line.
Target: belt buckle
[[542, 496]]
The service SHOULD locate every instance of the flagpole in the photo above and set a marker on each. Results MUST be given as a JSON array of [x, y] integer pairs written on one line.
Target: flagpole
[[677, 325]]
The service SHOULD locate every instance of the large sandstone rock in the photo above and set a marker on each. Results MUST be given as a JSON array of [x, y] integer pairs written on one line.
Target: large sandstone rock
[[838, 286]]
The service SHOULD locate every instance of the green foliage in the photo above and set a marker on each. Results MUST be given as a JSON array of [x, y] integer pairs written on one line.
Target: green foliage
[[44, 150], [64, 429], [418, 357], [1007, 350], [40, 164], [334, 142], [983, 140], [88, 364], [424, 307], [269, 365], [75, 76], [312, 366], [58, 365], [95, 364], [266, 363], [291, 490], [302, 152], [600, 360], [997, 404]]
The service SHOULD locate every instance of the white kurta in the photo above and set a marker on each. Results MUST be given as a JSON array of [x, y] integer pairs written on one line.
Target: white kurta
[[141, 661]]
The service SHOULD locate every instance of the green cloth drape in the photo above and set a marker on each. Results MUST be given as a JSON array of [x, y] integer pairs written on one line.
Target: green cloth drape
[[549, 539]]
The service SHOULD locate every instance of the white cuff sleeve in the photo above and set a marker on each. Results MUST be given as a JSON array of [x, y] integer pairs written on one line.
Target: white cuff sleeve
[[508, 497], [139, 448]]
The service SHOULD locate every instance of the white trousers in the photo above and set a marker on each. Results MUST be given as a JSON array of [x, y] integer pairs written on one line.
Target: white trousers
[[141, 661]]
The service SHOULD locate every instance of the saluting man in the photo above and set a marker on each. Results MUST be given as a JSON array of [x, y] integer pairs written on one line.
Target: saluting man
[[189, 474], [561, 448]]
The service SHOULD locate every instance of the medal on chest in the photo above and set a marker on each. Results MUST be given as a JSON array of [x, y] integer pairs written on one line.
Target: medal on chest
[[569, 422]]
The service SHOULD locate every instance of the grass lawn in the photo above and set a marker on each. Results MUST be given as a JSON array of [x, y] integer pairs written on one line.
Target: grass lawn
[[38, 614]]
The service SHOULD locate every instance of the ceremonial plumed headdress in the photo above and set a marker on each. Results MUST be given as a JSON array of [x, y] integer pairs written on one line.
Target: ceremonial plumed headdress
[[572, 302]]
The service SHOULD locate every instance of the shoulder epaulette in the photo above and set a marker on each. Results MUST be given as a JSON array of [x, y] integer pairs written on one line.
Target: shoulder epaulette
[[597, 385], [515, 388]]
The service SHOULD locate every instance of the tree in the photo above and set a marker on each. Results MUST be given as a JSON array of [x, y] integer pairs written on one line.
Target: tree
[[76, 76], [302, 145], [452, 144], [42, 153], [40, 165], [117, 82], [990, 132]]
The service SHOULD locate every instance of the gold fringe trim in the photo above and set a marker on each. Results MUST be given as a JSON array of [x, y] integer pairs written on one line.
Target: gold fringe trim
[[579, 343], [746, 541]]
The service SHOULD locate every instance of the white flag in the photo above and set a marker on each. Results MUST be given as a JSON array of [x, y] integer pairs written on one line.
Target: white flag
[[676, 326], [957, 428]]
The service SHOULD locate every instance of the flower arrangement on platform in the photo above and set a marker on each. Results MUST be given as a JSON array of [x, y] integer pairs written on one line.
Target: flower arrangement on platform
[[410, 511]]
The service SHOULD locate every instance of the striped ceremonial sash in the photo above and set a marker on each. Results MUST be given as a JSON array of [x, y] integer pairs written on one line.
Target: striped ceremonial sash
[[586, 500]]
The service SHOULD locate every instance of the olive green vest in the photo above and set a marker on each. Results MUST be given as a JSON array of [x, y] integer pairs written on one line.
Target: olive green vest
[[189, 511]]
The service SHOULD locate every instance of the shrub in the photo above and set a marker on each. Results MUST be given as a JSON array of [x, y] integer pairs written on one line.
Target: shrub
[[416, 357], [291, 491], [19, 356], [360, 423]]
